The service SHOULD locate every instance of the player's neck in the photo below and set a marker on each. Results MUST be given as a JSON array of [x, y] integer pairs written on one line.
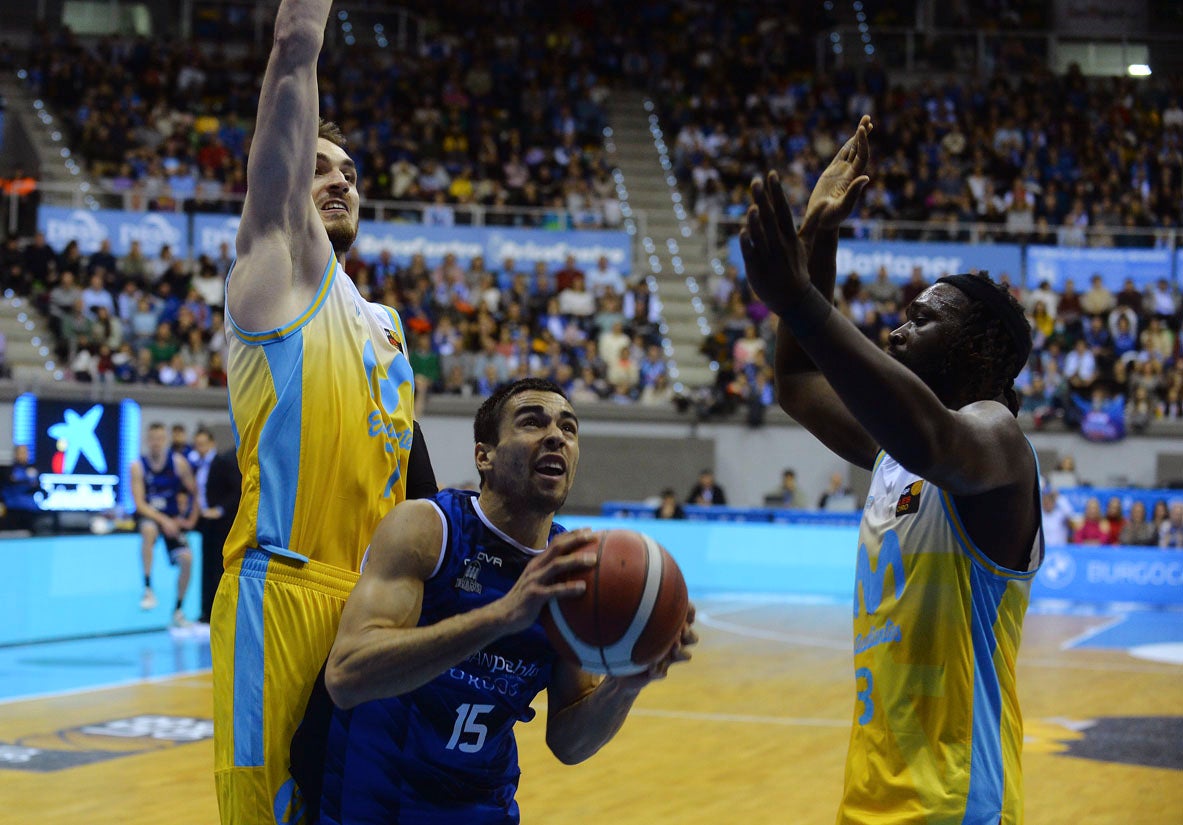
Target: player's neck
[[524, 526]]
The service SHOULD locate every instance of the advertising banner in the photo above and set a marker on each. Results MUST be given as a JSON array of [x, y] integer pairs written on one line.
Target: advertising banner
[[90, 227], [1056, 264], [934, 259], [404, 241]]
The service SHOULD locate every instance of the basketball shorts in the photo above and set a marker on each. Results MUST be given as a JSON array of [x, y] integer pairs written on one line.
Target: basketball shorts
[[273, 623], [173, 545]]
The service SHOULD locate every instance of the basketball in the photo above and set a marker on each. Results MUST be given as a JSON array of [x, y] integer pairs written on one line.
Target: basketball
[[631, 613]]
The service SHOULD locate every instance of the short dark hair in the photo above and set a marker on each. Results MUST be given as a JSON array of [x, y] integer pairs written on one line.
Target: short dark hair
[[486, 428], [204, 430], [331, 132], [156, 425]]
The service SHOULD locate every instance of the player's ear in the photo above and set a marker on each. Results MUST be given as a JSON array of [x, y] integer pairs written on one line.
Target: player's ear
[[484, 455]]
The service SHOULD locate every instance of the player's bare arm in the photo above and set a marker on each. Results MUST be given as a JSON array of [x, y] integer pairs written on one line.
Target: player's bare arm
[[380, 652], [801, 389], [970, 451], [187, 521], [585, 711], [282, 245]]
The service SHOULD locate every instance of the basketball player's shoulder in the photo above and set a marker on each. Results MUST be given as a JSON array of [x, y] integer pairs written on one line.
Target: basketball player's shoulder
[[408, 538]]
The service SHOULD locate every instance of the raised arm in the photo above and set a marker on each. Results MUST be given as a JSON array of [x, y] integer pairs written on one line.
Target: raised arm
[[282, 246], [801, 389], [381, 652], [968, 451]]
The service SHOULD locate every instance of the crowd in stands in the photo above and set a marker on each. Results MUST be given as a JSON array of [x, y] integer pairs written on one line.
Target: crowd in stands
[[156, 320], [1036, 157], [1093, 348], [510, 120]]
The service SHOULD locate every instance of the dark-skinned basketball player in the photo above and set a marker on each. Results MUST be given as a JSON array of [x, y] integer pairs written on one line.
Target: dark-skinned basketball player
[[440, 650], [950, 537]]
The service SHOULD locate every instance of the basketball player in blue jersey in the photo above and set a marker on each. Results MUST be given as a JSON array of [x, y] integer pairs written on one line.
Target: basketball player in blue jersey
[[159, 481], [440, 651], [950, 537], [322, 405]]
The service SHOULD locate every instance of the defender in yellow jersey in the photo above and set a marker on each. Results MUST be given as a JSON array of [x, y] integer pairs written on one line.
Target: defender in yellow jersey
[[321, 401], [950, 534]]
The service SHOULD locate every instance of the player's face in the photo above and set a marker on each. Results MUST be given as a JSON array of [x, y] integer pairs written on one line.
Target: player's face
[[922, 342], [157, 442], [534, 461], [335, 195]]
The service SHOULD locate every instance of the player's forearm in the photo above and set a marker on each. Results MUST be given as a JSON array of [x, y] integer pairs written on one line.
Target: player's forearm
[[579, 730], [299, 29], [823, 249], [381, 662]]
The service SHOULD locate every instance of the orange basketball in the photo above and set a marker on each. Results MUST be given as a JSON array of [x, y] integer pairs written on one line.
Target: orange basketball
[[631, 613]]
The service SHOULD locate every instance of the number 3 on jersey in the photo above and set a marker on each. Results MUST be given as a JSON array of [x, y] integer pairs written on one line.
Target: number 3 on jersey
[[466, 723], [863, 695]]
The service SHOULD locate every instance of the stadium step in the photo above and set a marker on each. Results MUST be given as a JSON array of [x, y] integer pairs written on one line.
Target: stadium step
[[637, 158], [25, 333]]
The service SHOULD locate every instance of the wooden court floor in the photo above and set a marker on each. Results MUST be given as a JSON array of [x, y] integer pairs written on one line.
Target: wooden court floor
[[753, 730]]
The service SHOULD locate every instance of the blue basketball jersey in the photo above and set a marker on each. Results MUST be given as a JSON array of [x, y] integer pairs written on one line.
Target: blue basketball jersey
[[446, 753], [161, 486]]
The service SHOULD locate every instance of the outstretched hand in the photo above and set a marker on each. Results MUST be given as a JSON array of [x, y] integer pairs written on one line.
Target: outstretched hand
[[775, 258], [837, 190]]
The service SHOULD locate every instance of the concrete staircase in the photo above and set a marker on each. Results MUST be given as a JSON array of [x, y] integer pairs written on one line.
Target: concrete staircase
[[27, 334], [670, 247]]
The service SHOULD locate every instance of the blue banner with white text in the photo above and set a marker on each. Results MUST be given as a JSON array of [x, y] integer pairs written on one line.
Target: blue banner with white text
[[90, 227], [1057, 264], [934, 259], [403, 241]]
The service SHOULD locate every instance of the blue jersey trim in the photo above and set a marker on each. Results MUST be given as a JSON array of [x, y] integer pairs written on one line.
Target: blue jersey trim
[[972, 550], [248, 662], [280, 447], [984, 802], [271, 336]]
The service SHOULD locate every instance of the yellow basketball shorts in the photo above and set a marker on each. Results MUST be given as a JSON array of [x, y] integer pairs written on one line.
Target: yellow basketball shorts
[[272, 626]]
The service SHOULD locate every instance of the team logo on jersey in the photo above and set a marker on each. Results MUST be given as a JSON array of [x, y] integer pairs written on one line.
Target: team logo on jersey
[[910, 501], [393, 339], [468, 582]]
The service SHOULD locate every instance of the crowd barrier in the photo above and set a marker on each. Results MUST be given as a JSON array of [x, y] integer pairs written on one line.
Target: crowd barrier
[[816, 555], [71, 586], [62, 587]]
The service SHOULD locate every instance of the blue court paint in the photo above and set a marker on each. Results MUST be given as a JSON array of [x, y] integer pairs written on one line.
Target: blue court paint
[[1137, 629], [33, 670]]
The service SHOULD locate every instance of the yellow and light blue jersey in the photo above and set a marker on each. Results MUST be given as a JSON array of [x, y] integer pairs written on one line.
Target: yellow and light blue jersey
[[322, 411], [937, 733]]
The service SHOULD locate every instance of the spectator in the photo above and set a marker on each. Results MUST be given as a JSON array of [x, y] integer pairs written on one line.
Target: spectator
[[1114, 519], [565, 277], [605, 277], [786, 496], [21, 492], [1098, 300], [838, 496], [1137, 531], [1170, 532], [1093, 529], [669, 508], [706, 492], [1058, 518]]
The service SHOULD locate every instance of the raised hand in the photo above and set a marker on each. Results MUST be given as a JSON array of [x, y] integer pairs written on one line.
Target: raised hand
[[838, 188], [774, 256]]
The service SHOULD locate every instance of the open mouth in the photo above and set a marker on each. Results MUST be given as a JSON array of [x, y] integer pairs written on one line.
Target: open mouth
[[334, 206], [553, 467]]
